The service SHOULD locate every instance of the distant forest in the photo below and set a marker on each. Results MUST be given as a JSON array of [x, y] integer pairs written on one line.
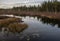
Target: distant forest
[[50, 6]]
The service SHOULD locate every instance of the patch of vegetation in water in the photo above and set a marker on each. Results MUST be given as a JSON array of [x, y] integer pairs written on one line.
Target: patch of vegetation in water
[[17, 27], [7, 21], [13, 24]]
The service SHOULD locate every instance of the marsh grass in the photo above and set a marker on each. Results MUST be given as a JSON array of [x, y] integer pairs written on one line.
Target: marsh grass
[[13, 24], [17, 27], [6, 22]]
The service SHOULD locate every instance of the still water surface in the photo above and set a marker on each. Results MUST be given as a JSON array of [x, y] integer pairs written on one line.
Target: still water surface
[[39, 29]]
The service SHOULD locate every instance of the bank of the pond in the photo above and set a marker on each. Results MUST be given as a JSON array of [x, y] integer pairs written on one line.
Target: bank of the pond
[[52, 15]]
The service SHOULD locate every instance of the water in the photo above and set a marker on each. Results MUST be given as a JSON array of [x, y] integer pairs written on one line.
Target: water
[[39, 29]]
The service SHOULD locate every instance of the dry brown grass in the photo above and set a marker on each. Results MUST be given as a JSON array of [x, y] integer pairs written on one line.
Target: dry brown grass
[[17, 27], [5, 22], [13, 24]]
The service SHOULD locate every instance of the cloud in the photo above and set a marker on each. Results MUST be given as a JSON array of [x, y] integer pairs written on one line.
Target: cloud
[[11, 3], [17, 1]]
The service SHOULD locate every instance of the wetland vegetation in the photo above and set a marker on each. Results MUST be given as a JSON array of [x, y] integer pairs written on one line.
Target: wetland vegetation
[[33, 23], [12, 23]]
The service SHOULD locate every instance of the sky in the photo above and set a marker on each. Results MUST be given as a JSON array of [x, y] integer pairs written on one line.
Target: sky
[[19, 1], [11, 3]]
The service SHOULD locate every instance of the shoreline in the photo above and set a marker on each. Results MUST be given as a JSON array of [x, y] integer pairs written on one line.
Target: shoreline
[[51, 15]]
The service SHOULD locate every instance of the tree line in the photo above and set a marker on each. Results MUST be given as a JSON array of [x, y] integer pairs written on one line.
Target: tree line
[[46, 6], [50, 6]]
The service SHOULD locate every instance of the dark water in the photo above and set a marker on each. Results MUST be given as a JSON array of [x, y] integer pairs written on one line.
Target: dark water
[[39, 29]]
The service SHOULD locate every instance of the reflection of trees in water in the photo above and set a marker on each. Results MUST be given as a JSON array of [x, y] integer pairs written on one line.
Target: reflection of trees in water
[[23, 16], [53, 22], [36, 17], [46, 20]]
